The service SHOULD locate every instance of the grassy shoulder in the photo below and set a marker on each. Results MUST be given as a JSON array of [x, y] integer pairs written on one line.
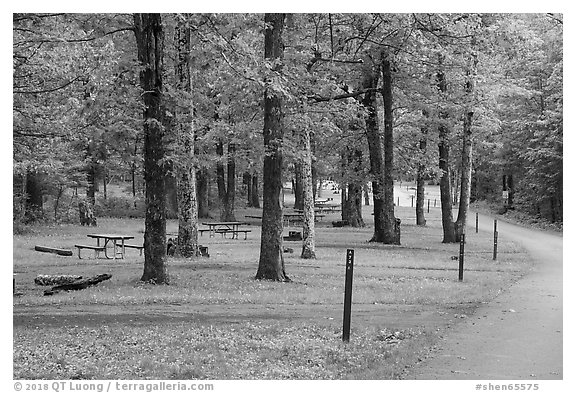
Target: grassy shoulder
[[215, 321]]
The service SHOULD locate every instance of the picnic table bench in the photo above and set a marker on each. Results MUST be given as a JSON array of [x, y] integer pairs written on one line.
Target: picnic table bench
[[234, 232], [118, 249], [224, 227]]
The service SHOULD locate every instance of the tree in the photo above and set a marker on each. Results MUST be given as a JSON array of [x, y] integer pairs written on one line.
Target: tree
[[187, 245], [466, 177], [149, 33], [448, 227], [271, 263], [309, 235]]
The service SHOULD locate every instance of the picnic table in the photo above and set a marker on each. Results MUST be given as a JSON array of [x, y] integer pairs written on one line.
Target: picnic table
[[118, 249], [298, 217], [224, 227]]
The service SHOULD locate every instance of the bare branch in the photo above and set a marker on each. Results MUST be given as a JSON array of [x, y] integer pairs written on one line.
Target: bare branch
[[317, 98]]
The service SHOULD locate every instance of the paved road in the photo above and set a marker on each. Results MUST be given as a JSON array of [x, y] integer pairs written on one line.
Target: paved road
[[519, 334]]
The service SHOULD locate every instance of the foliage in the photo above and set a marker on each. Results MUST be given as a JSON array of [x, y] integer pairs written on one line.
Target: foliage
[[76, 101]]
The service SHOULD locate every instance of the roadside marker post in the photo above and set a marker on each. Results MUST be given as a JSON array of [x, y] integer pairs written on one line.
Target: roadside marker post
[[495, 253], [476, 222], [348, 295], [461, 258], [428, 205]]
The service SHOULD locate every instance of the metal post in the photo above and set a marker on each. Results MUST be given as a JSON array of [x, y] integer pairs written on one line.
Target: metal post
[[461, 258], [495, 253], [348, 295], [434, 202], [398, 204], [476, 222], [428, 205], [411, 200]]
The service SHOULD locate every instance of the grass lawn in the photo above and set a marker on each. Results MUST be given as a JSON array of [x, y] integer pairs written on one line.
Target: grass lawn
[[214, 321]]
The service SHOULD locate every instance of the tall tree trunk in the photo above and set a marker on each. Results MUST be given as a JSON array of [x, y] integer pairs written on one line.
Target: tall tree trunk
[[150, 43], [247, 182], [298, 186], [271, 262], [365, 187], [91, 177], [309, 233], [391, 224], [370, 80], [133, 167], [187, 244], [255, 193], [226, 182], [203, 192], [466, 176], [448, 227], [33, 205], [353, 203], [171, 193], [421, 173]]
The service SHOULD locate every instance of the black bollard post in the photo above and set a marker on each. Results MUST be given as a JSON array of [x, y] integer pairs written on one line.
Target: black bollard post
[[398, 204], [495, 253], [348, 295], [461, 258], [411, 200], [428, 205], [434, 202], [476, 222]]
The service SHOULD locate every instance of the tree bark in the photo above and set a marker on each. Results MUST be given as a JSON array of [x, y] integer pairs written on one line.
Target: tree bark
[[203, 192], [298, 186], [255, 194], [150, 42], [466, 176], [421, 173], [391, 224], [353, 203], [370, 81], [226, 182], [187, 244], [271, 262], [309, 233], [448, 227], [33, 206]]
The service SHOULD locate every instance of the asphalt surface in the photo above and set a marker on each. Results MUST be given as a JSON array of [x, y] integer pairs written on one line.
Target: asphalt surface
[[517, 336]]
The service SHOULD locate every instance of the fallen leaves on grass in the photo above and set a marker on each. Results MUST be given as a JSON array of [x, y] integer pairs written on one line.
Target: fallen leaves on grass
[[194, 351]]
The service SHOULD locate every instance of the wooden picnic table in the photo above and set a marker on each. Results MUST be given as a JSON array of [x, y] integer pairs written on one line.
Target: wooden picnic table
[[224, 227], [291, 217], [106, 238]]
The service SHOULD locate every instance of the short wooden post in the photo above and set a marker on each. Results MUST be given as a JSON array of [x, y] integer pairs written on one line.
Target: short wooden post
[[348, 295], [461, 258]]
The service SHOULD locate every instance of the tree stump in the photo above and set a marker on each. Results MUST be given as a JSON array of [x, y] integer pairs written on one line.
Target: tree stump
[[86, 214]]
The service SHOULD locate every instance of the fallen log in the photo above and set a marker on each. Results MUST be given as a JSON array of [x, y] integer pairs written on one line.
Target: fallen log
[[78, 284], [55, 279], [59, 251]]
